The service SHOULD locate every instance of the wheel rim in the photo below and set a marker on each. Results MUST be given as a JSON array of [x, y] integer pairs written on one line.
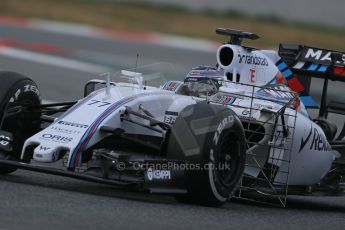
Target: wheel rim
[[227, 160]]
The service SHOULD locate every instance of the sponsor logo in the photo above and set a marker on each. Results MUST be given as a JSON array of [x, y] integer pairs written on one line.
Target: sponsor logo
[[62, 130], [170, 117], [31, 88], [252, 60], [158, 174], [56, 138], [248, 114], [315, 140], [43, 148], [251, 118], [226, 100], [15, 96], [281, 93], [71, 124], [278, 92], [4, 141], [252, 75], [260, 106], [27, 88], [221, 126], [320, 56]]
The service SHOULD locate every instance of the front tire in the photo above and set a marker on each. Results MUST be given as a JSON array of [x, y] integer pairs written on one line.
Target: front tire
[[212, 137], [17, 90]]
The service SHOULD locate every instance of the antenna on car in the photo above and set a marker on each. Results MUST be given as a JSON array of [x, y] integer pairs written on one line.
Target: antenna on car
[[236, 36], [136, 63], [107, 76]]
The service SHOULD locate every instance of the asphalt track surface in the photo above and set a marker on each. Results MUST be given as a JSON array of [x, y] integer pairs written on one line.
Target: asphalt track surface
[[32, 201]]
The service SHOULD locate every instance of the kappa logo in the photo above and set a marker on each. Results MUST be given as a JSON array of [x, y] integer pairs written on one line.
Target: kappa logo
[[158, 174]]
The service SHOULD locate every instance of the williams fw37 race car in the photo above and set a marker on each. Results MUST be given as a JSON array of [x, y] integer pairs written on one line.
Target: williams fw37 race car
[[238, 129]]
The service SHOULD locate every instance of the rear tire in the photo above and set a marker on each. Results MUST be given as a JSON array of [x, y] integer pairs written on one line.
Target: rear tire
[[17, 90], [212, 137]]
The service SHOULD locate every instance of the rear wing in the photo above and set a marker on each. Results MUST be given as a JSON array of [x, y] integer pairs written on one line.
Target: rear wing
[[308, 62], [314, 62]]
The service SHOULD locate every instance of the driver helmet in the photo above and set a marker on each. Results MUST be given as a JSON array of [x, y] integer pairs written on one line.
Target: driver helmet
[[204, 81]]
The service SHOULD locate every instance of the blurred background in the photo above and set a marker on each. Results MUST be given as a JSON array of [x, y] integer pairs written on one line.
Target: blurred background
[[75, 40], [316, 22]]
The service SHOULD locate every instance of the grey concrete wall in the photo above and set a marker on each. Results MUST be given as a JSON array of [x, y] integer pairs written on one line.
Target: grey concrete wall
[[324, 12]]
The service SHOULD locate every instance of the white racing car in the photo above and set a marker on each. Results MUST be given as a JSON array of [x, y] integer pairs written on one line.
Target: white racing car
[[238, 128]]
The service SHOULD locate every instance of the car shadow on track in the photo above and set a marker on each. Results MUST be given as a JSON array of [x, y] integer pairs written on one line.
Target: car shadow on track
[[77, 186]]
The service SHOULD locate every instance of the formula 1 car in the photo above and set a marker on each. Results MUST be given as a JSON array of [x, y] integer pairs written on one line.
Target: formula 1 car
[[268, 91], [239, 128]]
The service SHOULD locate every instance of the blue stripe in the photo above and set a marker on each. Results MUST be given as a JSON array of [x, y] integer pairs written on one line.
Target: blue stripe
[[107, 112], [323, 68], [282, 66], [309, 102], [177, 85], [313, 67], [167, 84], [86, 134], [287, 73]]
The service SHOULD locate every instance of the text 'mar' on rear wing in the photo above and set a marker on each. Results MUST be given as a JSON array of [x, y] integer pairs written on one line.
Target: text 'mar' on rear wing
[[314, 62], [309, 62]]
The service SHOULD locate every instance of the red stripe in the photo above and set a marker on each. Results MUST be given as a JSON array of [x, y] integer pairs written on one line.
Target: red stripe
[[76, 159], [35, 46], [13, 20], [124, 35], [339, 71], [295, 85], [171, 86]]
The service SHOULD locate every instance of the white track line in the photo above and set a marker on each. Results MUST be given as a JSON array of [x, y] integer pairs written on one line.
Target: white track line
[[63, 28], [53, 60], [184, 43]]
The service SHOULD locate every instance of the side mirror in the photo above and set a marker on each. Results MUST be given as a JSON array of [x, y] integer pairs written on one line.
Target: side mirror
[[91, 86]]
